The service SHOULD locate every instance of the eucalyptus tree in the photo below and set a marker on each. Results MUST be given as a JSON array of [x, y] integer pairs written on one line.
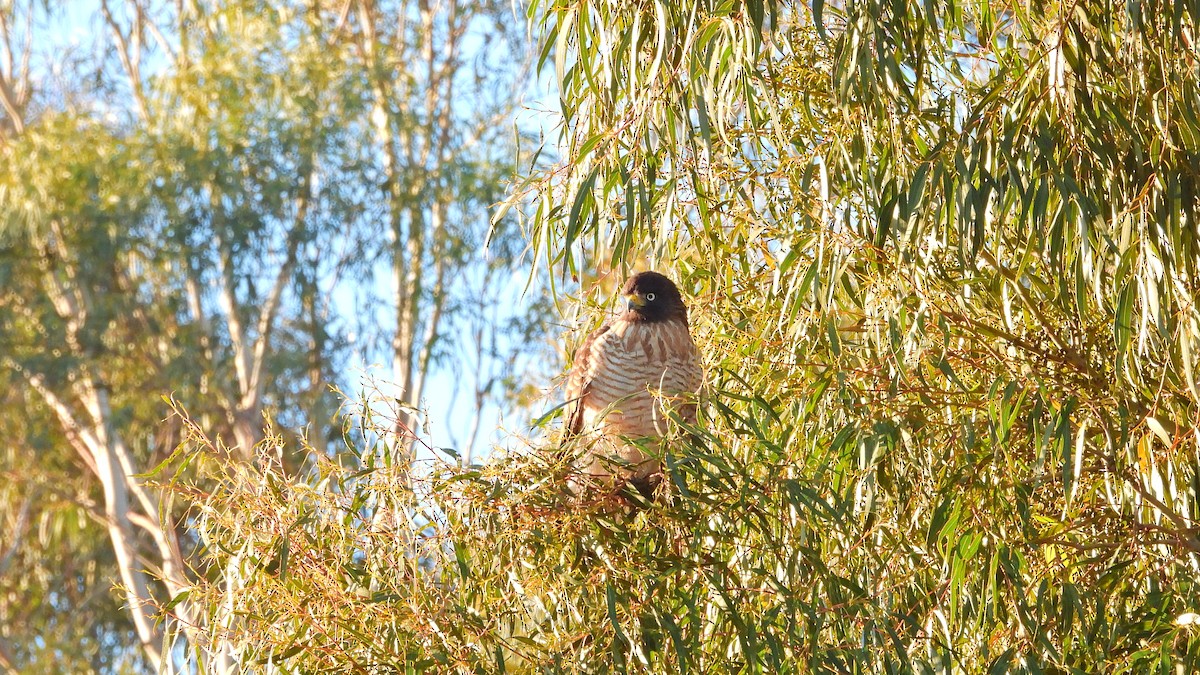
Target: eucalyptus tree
[[156, 254], [444, 82], [943, 263], [953, 326], [187, 207]]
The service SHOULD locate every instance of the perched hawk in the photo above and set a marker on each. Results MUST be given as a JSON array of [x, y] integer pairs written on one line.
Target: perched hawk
[[626, 374]]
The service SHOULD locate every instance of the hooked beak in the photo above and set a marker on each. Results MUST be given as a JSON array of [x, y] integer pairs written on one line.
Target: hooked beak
[[635, 301]]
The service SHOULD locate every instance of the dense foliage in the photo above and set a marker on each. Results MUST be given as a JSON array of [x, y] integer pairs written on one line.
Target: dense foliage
[[943, 262], [237, 206]]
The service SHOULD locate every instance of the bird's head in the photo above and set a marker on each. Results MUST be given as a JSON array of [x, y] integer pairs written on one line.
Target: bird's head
[[653, 297]]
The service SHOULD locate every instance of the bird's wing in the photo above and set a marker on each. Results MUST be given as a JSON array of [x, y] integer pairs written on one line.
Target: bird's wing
[[579, 381]]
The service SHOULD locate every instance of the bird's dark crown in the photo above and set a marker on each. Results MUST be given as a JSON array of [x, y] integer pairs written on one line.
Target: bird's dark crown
[[653, 297]]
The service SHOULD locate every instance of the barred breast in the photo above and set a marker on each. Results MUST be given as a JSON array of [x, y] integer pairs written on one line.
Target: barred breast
[[636, 371]]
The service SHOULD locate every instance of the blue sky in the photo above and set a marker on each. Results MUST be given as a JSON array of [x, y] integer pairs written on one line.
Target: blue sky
[[77, 26]]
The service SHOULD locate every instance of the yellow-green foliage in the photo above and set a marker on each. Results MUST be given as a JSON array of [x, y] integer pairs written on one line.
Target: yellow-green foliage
[[943, 263]]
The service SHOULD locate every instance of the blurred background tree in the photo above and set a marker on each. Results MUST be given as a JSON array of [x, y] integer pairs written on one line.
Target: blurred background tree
[[943, 259], [196, 201]]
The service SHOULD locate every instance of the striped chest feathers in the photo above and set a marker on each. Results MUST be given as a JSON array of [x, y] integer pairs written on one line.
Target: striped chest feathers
[[634, 357]]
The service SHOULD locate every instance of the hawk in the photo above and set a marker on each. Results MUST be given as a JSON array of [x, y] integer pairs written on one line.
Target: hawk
[[626, 375]]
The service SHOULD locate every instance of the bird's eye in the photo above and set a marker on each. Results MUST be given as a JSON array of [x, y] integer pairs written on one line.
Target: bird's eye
[[649, 297]]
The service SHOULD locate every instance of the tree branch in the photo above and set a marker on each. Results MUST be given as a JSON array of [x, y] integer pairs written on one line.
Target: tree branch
[[266, 317], [228, 303], [145, 20], [15, 534], [131, 58], [11, 106]]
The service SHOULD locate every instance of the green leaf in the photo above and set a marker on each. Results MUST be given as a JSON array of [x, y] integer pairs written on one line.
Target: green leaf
[[818, 12]]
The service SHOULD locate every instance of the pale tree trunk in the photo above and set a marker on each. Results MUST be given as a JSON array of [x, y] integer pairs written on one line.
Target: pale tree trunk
[[437, 300], [142, 544], [100, 445], [15, 88], [128, 506], [85, 413], [101, 441], [413, 61], [95, 437], [402, 239], [246, 413], [417, 200], [250, 352]]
